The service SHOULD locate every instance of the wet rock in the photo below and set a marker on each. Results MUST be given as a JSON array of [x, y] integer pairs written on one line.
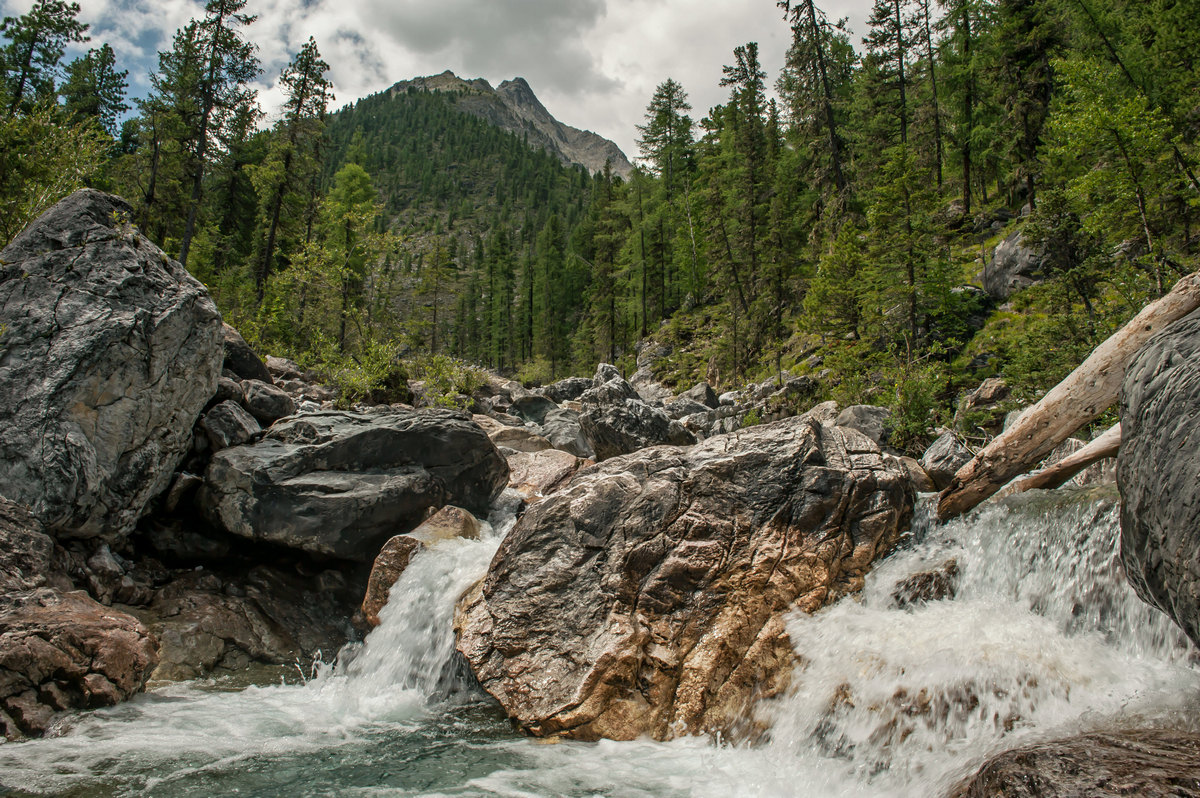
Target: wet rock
[[917, 475], [564, 390], [227, 425], [944, 457], [1157, 470], [446, 524], [536, 475], [339, 484], [267, 403], [206, 623], [1013, 266], [936, 584], [1146, 763], [869, 420], [63, 651], [241, 359], [702, 393], [59, 648], [111, 351], [648, 597]]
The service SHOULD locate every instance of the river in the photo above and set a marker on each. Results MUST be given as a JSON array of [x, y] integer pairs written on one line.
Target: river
[[1042, 639]]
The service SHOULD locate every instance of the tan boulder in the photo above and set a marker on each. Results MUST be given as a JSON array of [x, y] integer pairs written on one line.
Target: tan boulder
[[536, 475], [648, 597], [520, 439], [447, 523]]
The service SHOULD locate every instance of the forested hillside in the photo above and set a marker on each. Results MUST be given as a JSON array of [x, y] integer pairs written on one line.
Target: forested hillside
[[834, 218]]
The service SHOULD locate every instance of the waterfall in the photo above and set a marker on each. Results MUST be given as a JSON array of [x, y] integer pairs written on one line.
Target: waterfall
[[1042, 638]]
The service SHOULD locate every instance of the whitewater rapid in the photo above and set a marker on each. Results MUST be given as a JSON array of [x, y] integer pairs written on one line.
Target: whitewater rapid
[[1043, 638]]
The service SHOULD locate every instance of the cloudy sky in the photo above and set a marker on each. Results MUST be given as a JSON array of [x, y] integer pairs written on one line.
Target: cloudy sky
[[593, 63]]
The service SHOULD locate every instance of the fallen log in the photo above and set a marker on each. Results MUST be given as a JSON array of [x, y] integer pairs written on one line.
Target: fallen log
[[1085, 393], [1056, 476]]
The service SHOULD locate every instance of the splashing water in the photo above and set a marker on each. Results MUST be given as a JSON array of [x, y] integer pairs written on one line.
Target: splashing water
[[1043, 638]]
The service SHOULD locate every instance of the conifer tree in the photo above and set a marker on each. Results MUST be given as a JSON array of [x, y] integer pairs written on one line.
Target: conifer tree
[[292, 163], [36, 43], [227, 65], [95, 89]]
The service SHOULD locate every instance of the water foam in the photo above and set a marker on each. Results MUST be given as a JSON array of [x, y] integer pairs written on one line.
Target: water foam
[[1043, 638]]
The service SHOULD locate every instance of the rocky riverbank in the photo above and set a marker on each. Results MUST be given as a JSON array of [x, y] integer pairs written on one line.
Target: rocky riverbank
[[175, 506]]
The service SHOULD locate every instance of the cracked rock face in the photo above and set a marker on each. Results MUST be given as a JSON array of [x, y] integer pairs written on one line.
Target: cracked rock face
[[109, 351], [648, 597], [1157, 470]]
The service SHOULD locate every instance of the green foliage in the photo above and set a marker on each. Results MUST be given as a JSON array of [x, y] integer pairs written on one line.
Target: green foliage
[[43, 159], [448, 382]]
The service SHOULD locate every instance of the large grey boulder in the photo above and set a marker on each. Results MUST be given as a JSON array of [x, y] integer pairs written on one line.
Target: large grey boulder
[[109, 352], [944, 457], [1013, 266], [703, 393], [649, 596], [266, 402], [624, 427], [1158, 472], [228, 424], [241, 359], [340, 484], [870, 420], [565, 390], [564, 431]]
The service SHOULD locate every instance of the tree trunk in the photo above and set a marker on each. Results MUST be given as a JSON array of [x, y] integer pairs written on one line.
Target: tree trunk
[[1055, 476], [1086, 393]]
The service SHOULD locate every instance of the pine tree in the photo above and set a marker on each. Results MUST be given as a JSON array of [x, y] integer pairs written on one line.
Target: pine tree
[[228, 64], [95, 89], [292, 163], [36, 43]]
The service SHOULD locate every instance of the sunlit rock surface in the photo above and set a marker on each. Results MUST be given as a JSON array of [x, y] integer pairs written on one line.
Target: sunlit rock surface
[[647, 598]]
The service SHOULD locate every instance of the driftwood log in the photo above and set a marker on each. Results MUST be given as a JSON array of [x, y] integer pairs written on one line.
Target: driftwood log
[[1085, 393], [1056, 476]]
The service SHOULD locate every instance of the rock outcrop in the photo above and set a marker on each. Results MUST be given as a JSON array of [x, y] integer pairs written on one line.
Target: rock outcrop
[[1148, 764], [648, 597], [616, 421], [340, 484], [59, 648], [1013, 266], [1157, 470], [110, 351]]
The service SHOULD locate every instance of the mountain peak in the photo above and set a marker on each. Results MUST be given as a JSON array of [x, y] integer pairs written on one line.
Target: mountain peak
[[514, 107]]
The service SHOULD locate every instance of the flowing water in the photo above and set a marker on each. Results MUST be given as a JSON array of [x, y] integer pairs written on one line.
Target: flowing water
[[1042, 639]]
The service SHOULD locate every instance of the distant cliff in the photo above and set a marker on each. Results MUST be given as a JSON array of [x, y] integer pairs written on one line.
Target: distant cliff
[[515, 108]]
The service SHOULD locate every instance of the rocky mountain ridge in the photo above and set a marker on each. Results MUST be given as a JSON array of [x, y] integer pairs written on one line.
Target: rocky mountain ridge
[[512, 106]]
